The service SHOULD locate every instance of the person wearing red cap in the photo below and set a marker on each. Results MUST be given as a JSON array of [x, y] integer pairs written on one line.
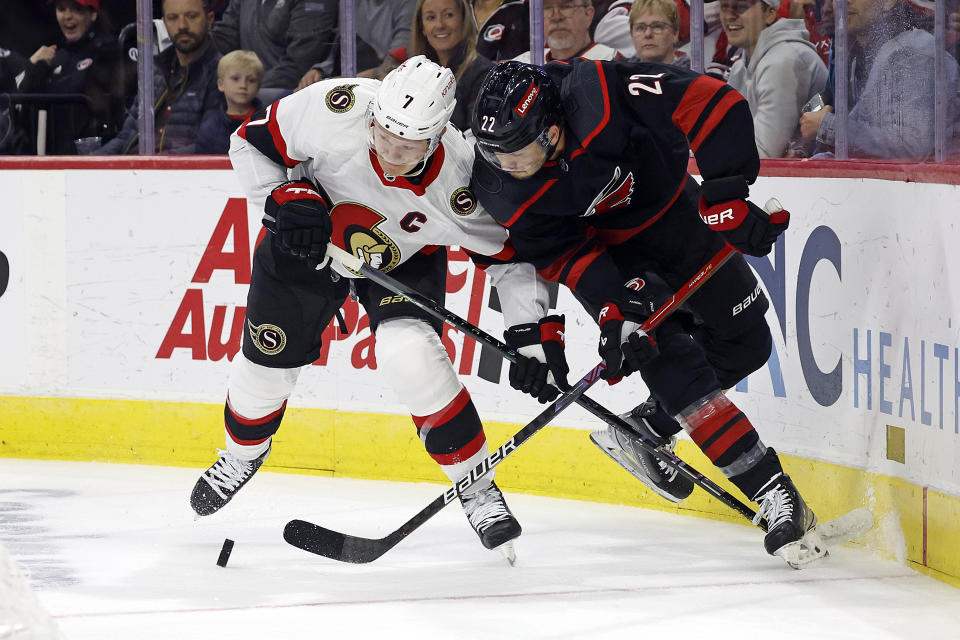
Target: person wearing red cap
[[85, 61]]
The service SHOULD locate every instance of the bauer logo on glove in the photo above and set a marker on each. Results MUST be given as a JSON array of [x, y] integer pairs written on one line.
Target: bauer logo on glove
[[748, 228]]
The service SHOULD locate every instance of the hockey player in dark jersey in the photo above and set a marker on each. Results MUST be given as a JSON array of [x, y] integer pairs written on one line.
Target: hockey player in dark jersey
[[586, 164]]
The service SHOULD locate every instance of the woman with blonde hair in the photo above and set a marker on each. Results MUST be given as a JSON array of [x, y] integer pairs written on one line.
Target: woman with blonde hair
[[445, 32], [655, 29]]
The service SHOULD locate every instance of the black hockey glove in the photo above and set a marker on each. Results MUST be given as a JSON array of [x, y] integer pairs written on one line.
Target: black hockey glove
[[617, 321], [542, 366], [297, 215], [748, 228], [620, 319]]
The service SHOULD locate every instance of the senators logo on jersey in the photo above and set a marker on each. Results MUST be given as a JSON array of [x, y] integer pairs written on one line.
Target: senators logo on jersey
[[340, 99], [268, 338], [463, 201], [355, 231]]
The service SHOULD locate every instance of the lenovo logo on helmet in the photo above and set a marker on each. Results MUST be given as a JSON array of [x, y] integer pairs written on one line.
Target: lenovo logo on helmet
[[531, 95]]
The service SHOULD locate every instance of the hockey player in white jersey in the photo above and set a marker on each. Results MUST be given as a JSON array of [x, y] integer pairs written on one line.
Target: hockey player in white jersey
[[386, 178]]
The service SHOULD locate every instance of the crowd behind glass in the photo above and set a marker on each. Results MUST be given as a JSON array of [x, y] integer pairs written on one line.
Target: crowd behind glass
[[886, 87]]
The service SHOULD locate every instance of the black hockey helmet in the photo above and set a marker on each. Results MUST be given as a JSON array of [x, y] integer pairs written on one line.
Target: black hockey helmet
[[516, 105]]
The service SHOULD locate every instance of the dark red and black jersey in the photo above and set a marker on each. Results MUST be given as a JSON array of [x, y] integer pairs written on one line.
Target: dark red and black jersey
[[629, 130]]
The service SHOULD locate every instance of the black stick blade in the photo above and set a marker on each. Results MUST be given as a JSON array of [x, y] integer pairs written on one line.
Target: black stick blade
[[333, 544]]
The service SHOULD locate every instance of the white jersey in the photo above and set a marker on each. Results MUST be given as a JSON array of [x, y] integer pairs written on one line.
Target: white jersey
[[321, 132]]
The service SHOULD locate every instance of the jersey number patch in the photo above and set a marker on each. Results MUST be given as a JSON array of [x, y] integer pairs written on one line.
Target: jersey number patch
[[636, 85]]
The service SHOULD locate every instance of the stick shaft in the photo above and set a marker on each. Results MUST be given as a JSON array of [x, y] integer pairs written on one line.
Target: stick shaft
[[576, 394]]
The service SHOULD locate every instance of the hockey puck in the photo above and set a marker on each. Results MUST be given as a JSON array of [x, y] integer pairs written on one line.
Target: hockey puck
[[225, 552]]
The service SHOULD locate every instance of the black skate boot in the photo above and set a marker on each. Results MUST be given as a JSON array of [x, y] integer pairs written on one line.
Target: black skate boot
[[643, 465], [220, 483], [790, 522], [490, 517]]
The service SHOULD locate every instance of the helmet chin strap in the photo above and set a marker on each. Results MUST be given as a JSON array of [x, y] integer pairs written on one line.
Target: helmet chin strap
[[417, 170], [556, 148]]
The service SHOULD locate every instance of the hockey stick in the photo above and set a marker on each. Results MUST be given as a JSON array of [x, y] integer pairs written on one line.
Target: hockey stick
[[347, 548]]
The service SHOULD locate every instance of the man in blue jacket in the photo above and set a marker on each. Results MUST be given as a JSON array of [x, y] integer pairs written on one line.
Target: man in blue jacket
[[185, 82]]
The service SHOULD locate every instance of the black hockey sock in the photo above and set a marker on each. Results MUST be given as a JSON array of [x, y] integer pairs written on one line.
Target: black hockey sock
[[753, 479], [251, 431], [454, 433]]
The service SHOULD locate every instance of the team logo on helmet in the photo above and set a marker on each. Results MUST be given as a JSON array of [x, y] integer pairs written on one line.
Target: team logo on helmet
[[636, 284], [268, 338], [355, 228], [340, 99], [463, 201]]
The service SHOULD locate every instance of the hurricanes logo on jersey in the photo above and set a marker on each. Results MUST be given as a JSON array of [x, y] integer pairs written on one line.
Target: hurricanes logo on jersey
[[463, 201], [340, 99], [616, 194], [355, 230], [269, 338]]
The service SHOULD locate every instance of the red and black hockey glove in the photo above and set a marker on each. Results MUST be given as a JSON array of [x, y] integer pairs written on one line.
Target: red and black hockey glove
[[617, 321], [541, 371], [297, 214], [748, 228]]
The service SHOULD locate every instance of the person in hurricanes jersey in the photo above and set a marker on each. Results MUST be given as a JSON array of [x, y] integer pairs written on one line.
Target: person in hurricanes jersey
[[585, 163], [385, 177]]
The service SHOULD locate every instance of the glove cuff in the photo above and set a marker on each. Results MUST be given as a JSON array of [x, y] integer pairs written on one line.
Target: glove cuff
[[552, 329], [609, 311], [724, 189], [522, 335]]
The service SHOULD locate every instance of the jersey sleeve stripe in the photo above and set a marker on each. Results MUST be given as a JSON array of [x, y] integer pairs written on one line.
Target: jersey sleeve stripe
[[278, 140], [606, 112], [705, 112], [525, 205], [263, 132], [569, 267], [483, 261], [694, 102], [716, 115]]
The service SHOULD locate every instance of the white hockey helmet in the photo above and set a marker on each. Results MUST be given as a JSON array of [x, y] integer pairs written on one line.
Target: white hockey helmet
[[415, 102]]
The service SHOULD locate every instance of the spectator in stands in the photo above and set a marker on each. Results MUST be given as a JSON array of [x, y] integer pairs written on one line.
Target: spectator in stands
[[239, 75], [891, 82], [287, 35], [566, 29], [26, 25], [184, 80], [778, 71], [14, 137], [613, 29], [444, 31], [483, 9], [655, 29], [381, 27], [503, 29], [83, 62]]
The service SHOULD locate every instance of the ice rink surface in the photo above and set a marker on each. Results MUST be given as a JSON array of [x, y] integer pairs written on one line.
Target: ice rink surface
[[113, 552]]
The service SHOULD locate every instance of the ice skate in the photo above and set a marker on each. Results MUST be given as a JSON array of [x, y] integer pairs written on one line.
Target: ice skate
[[218, 484], [490, 517], [791, 524], [643, 465]]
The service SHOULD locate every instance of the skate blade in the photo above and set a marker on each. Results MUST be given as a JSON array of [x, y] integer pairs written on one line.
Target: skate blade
[[816, 544], [508, 551], [803, 552], [629, 465]]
